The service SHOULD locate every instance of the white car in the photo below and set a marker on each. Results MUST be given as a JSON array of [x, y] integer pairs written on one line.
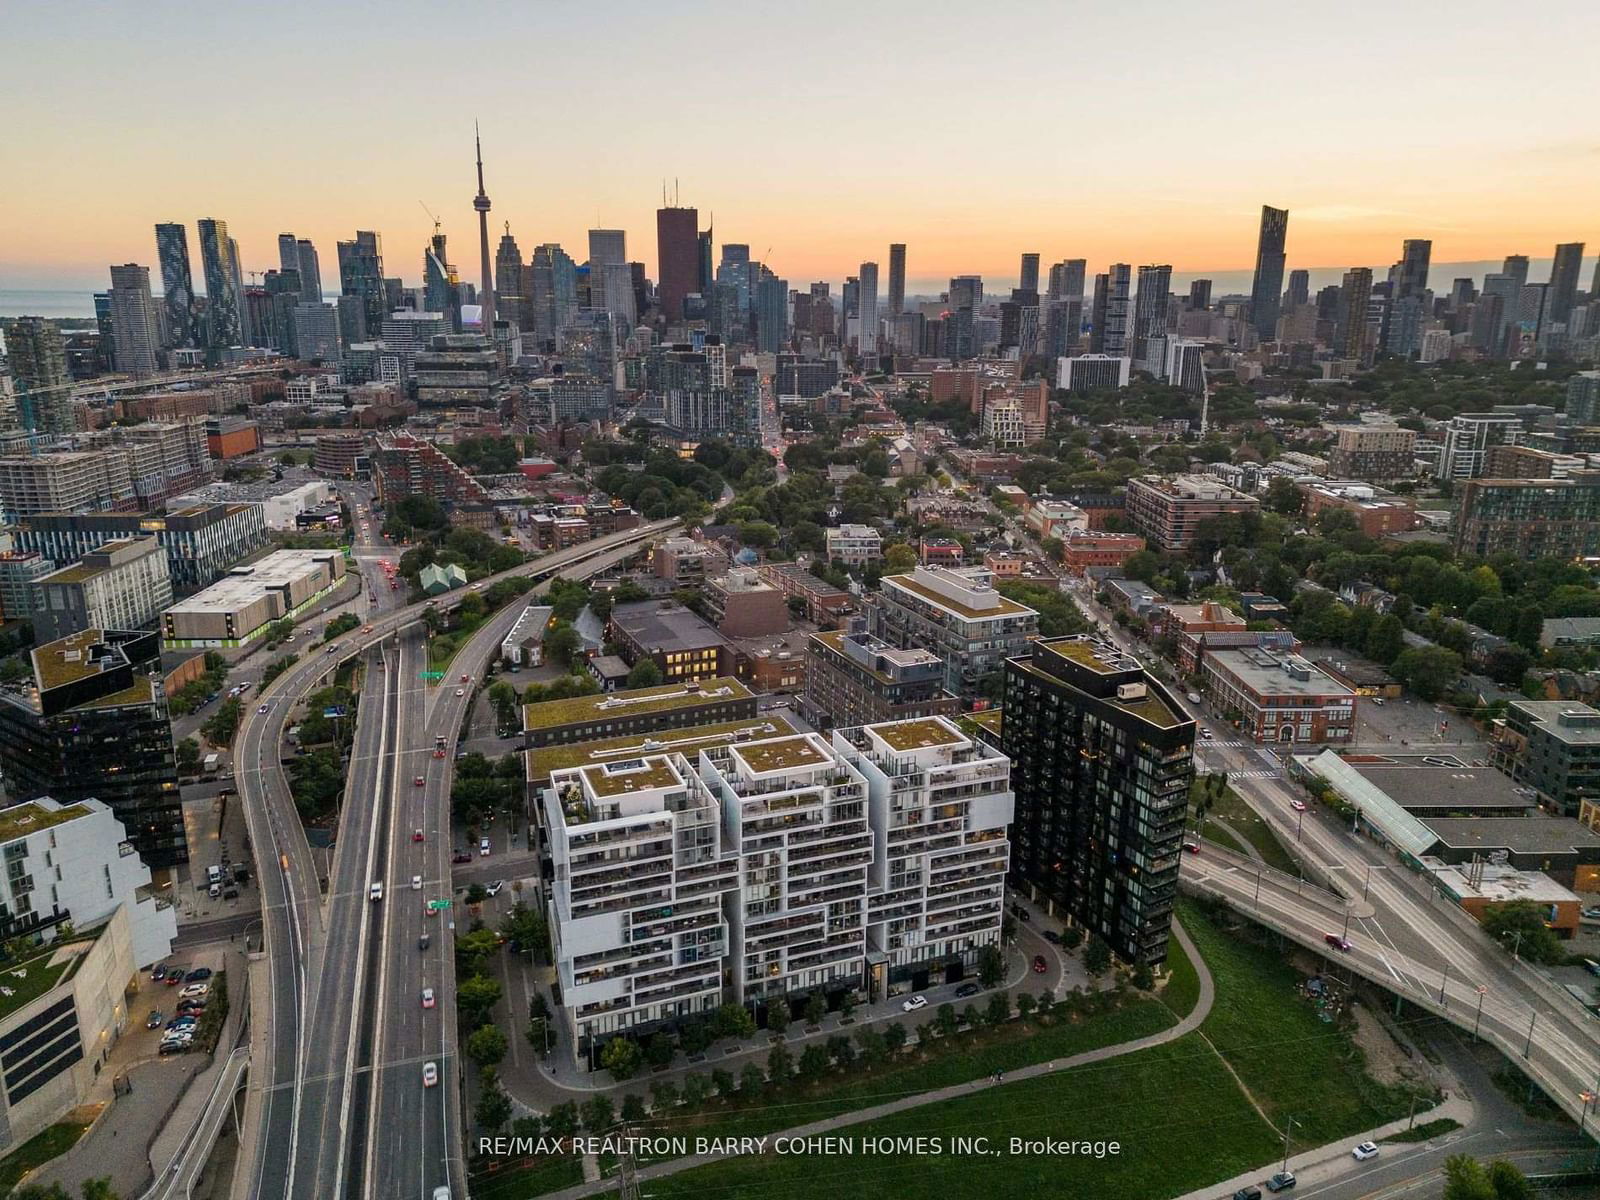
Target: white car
[[427, 997], [194, 990], [494, 888], [915, 1003], [376, 892], [1365, 1151], [461, 691], [430, 1074], [416, 883]]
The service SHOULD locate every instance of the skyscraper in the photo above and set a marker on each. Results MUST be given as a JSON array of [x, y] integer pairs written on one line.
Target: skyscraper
[[897, 280], [1066, 279], [1299, 292], [438, 279], [677, 258], [361, 275], [1267, 287], [134, 322], [966, 294], [772, 312], [704, 279], [38, 359], [868, 323], [480, 204], [510, 296], [734, 272], [172, 252], [1564, 281], [1411, 275], [1109, 331], [223, 326], [1354, 295], [1150, 317], [1199, 294], [552, 290], [288, 252], [1028, 277], [236, 270], [607, 247], [310, 272]]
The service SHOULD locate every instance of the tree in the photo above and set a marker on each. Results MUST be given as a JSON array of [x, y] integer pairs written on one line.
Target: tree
[[663, 1095], [1427, 670], [813, 1062], [1142, 565], [873, 1048], [632, 1108], [752, 1079], [598, 1114], [487, 1046], [945, 1020], [562, 1120], [645, 674], [659, 1049], [476, 997], [1025, 1005], [991, 966], [999, 1009], [622, 1058], [816, 1008], [778, 1017], [723, 1081], [98, 1189], [695, 1036], [899, 559], [1519, 927], [1096, 956], [1508, 1182], [847, 1004], [188, 751], [894, 1036], [780, 1065], [1386, 639], [494, 1106], [561, 644], [1465, 1179], [696, 1090], [731, 1020]]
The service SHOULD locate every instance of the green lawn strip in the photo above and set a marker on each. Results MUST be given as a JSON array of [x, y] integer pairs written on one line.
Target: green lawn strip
[[28, 980], [1182, 990], [1233, 809], [1295, 1065], [1428, 1129], [1180, 1120], [514, 1180], [960, 1059], [50, 1143]]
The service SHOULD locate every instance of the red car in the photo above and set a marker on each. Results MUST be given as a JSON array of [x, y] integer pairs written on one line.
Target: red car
[[1038, 964], [420, 781], [1192, 847], [416, 835], [1337, 941]]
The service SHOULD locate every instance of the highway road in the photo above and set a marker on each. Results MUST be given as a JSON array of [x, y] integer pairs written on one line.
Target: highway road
[[294, 928]]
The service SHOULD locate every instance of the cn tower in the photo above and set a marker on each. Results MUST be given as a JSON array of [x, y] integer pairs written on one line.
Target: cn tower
[[481, 203]]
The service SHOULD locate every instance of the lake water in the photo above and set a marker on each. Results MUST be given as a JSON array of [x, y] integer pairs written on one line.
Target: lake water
[[46, 304]]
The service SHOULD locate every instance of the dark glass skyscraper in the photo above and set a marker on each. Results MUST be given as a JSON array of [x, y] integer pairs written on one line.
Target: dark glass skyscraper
[[1411, 275], [1564, 281], [223, 322], [172, 252], [1266, 290], [897, 279], [1101, 761], [361, 275]]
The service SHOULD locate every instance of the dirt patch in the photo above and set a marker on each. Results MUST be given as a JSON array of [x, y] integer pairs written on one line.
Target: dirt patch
[[1387, 1060]]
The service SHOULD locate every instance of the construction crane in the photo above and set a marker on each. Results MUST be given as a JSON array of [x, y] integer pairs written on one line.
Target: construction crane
[[431, 217]]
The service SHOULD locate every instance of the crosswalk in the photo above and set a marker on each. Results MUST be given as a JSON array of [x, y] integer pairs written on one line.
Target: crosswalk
[[1234, 745], [1263, 774]]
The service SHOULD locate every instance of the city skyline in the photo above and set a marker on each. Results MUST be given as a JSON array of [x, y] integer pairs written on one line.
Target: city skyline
[[1478, 191]]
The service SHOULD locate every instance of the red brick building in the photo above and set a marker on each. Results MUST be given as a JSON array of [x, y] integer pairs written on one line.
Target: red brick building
[[1080, 551]]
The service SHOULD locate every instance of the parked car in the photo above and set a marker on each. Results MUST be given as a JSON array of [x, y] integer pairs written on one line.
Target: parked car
[[1247, 1193], [175, 1047], [1365, 1151], [159, 973], [195, 989], [913, 1004], [154, 1020], [195, 1006], [966, 990], [464, 856], [198, 975], [1051, 936], [1281, 1182], [494, 888]]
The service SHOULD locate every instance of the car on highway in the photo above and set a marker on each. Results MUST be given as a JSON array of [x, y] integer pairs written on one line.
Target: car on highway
[[333, 649], [366, 629], [430, 1074], [1337, 941], [416, 835], [419, 781], [913, 1004], [376, 892], [967, 989], [461, 691], [1038, 964], [1298, 805], [466, 679], [154, 1020], [1365, 1151], [427, 997], [195, 989], [1281, 1182], [416, 883]]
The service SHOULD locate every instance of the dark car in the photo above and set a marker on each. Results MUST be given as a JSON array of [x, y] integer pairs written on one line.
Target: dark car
[[197, 1005], [159, 973], [1051, 936], [1020, 912], [967, 989], [1038, 964], [154, 1020], [1337, 941], [1281, 1182], [1247, 1193], [173, 1047], [198, 975], [461, 857]]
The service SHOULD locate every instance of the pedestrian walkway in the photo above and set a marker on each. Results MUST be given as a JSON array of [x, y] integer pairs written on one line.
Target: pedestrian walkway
[[1259, 774]]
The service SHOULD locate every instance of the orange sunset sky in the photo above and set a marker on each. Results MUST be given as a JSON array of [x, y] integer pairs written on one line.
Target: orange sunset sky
[[1137, 131]]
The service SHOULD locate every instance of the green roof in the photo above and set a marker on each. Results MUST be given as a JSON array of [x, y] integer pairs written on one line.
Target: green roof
[[642, 775], [916, 734], [781, 754], [574, 710], [688, 741], [52, 667], [37, 975], [20, 819]]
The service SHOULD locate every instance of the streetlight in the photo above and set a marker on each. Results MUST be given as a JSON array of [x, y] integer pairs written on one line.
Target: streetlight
[[1478, 1020], [1256, 902], [1286, 1130], [1588, 1099], [1528, 1049], [1516, 944], [1300, 820]]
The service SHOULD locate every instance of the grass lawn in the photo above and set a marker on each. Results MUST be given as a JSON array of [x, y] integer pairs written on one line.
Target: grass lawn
[[1182, 1119], [1231, 807], [50, 1143], [1428, 1129], [24, 982], [515, 1182]]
